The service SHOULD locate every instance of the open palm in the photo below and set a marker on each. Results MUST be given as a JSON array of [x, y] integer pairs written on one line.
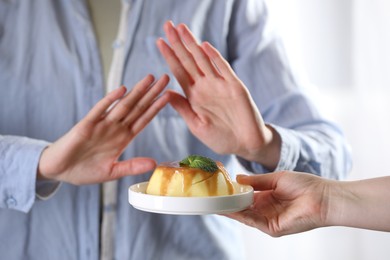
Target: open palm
[[89, 152], [217, 106]]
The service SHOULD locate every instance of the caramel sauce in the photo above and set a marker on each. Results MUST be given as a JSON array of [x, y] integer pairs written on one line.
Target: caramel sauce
[[229, 183], [210, 178]]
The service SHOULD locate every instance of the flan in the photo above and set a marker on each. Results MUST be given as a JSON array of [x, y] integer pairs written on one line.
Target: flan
[[180, 180]]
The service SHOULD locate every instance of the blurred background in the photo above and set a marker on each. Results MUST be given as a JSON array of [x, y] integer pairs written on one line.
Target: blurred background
[[342, 49]]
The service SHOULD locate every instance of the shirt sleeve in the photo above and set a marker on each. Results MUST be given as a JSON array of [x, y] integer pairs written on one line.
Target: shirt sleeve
[[310, 142], [18, 171]]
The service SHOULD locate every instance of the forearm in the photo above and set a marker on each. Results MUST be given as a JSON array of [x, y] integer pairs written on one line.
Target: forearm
[[361, 204], [317, 148], [308, 142]]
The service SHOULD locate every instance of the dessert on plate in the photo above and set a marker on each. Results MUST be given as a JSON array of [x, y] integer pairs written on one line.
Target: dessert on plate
[[194, 176]]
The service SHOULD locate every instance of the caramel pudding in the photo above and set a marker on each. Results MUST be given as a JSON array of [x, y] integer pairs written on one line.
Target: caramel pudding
[[176, 179]]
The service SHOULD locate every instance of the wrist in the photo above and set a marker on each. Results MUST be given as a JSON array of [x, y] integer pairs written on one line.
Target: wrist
[[337, 201], [268, 154], [41, 166]]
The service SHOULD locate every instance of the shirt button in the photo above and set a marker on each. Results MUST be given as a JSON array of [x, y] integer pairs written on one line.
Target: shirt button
[[11, 202]]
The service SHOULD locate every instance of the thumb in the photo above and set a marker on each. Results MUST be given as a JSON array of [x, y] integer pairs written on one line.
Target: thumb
[[260, 182], [132, 166], [183, 107]]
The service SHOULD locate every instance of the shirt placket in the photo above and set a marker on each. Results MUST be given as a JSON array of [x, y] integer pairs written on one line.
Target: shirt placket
[[107, 239]]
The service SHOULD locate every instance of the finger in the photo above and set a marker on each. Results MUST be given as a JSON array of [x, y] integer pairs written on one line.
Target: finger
[[145, 102], [175, 66], [183, 107], [201, 58], [259, 182], [181, 51], [252, 218], [127, 103], [222, 65], [132, 167], [101, 107], [149, 114]]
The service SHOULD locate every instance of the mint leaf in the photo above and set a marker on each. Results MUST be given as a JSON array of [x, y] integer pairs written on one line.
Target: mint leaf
[[200, 162]]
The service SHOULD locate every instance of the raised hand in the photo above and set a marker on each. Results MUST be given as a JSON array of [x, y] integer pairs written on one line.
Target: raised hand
[[217, 106], [88, 153]]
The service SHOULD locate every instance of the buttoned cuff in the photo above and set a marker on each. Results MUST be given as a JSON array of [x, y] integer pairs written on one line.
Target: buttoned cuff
[[18, 171]]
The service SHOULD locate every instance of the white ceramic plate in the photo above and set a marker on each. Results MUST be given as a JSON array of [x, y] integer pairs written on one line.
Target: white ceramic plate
[[241, 199]]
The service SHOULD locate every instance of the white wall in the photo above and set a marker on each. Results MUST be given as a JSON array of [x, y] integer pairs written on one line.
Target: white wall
[[317, 35], [343, 46]]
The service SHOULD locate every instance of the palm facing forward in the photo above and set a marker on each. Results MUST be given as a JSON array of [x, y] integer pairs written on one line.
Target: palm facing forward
[[88, 153], [217, 106]]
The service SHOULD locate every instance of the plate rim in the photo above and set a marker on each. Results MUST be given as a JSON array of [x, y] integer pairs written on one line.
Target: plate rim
[[202, 205]]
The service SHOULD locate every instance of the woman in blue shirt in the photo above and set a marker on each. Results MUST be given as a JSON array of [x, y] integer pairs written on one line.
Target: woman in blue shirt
[[51, 76]]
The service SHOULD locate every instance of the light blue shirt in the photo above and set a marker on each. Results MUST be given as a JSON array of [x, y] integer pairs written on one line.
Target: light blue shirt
[[51, 75]]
